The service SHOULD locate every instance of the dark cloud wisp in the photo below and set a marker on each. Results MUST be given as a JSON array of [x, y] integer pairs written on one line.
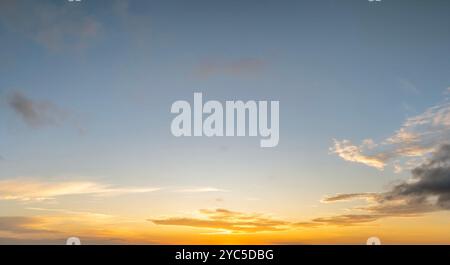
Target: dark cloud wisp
[[35, 113]]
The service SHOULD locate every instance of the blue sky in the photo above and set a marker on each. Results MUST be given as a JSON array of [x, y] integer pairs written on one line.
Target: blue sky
[[110, 70]]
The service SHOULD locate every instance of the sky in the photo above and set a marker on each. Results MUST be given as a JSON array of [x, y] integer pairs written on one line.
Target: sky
[[86, 148]]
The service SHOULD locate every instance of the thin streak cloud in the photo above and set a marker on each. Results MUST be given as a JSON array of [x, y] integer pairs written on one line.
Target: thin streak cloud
[[36, 190], [199, 190]]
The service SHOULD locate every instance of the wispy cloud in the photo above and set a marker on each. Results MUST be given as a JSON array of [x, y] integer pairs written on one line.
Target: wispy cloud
[[369, 196], [227, 221], [346, 150], [447, 91], [55, 228], [21, 224], [346, 219], [340, 220], [199, 190], [55, 26], [70, 212], [418, 137], [36, 113], [31, 189]]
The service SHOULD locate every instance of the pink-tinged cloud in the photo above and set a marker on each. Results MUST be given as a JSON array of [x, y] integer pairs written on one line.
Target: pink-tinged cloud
[[418, 137]]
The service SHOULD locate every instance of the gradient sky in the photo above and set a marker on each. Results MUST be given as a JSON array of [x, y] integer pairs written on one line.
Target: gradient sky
[[85, 142]]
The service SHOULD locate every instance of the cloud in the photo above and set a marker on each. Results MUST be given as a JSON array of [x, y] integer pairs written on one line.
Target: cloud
[[41, 113], [18, 241], [29, 189], [36, 113], [227, 221], [346, 219], [447, 91], [60, 241], [418, 137], [339, 220], [310, 224], [350, 196], [55, 26], [240, 67], [91, 228], [346, 150], [200, 190], [428, 190], [21, 224], [26, 229], [70, 212]]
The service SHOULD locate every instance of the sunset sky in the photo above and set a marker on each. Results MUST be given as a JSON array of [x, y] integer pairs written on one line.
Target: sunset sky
[[85, 142]]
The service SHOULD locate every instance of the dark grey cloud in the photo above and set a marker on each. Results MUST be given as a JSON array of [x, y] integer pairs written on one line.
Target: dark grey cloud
[[36, 113], [428, 190]]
